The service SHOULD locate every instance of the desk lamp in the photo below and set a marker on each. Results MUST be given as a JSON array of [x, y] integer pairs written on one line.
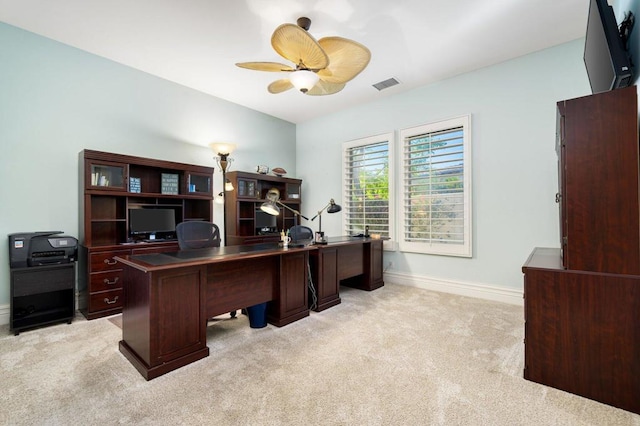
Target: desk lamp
[[271, 205], [332, 207]]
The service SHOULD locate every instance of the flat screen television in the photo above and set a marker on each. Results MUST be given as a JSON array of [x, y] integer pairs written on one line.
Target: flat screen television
[[605, 58], [152, 221]]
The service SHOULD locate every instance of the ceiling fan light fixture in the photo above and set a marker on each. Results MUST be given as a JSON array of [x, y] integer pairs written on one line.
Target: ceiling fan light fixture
[[320, 67], [303, 80]]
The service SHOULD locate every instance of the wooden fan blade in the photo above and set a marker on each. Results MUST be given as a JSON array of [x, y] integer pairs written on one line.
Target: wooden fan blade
[[347, 59], [325, 88], [295, 44], [280, 86], [265, 66]]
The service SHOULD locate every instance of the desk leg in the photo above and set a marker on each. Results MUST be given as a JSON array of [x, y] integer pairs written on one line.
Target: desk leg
[[373, 265], [164, 319], [291, 300], [324, 273]]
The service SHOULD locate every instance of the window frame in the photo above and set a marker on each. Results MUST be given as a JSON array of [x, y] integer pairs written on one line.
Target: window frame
[[447, 249], [389, 138]]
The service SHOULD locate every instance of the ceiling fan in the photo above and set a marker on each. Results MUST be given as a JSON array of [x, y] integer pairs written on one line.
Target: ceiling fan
[[322, 67]]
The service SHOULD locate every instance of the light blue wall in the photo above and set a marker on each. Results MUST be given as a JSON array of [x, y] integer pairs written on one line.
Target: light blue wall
[[513, 109], [56, 101]]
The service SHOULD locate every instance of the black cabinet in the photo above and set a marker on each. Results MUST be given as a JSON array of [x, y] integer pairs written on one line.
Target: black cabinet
[[42, 295]]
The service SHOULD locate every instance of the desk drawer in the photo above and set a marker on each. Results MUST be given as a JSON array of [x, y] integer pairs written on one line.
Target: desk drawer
[[104, 261], [104, 281], [105, 300]]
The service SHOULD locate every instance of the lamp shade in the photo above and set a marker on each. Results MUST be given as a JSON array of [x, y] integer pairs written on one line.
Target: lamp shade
[[222, 148], [303, 80], [270, 207], [333, 207], [273, 195]]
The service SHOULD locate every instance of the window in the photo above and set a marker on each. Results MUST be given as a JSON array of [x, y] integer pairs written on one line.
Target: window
[[367, 181], [436, 188]]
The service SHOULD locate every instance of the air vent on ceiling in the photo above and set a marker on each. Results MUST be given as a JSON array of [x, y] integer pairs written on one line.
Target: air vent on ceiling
[[387, 83]]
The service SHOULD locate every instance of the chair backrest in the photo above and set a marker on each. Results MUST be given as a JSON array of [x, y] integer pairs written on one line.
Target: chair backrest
[[197, 234], [301, 234]]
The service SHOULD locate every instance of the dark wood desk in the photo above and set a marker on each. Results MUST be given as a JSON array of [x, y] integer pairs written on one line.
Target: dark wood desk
[[168, 298], [351, 261]]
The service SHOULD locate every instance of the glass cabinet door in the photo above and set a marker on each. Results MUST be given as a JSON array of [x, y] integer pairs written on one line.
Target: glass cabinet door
[[247, 188], [293, 191], [105, 175], [198, 183]]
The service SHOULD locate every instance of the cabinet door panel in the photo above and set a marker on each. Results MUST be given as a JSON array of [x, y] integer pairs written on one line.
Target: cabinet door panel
[[600, 181], [350, 261], [293, 280], [177, 303]]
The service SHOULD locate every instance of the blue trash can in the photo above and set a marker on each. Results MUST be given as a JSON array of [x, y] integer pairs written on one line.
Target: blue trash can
[[257, 315]]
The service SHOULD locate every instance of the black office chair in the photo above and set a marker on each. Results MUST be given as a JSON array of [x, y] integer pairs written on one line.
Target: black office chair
[[197, 235], [300, 235]]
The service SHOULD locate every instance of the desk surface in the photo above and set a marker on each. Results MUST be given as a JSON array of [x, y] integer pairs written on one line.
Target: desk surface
[[158, 261]]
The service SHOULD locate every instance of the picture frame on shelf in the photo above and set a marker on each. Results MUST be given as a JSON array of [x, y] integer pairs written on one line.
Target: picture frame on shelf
[[169, 184], [135, 185]]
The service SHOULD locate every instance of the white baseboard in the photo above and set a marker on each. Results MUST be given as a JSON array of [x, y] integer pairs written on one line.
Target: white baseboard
[[477, 290], [4, 314]]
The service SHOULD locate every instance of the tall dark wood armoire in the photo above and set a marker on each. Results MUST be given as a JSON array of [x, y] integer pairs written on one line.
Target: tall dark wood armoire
[[582, 301]]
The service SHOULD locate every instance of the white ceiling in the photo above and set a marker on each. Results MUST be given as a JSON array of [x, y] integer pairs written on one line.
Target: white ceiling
[[197, 42]]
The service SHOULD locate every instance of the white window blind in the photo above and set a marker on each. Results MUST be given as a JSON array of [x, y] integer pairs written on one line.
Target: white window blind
[[366, 177], [436, 201]]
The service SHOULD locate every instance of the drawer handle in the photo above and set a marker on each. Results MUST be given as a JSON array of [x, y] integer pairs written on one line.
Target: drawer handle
[[106, 281], [108, 262], [110, 302]]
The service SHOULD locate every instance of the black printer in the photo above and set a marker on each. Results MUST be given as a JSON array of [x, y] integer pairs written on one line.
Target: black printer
[[41, 248]]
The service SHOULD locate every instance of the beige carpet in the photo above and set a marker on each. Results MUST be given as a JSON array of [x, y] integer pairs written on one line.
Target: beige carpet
[[395, 356]]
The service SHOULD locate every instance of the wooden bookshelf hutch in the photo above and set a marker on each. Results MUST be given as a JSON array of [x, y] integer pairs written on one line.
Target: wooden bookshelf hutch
[[113, 184], [242, 206]]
